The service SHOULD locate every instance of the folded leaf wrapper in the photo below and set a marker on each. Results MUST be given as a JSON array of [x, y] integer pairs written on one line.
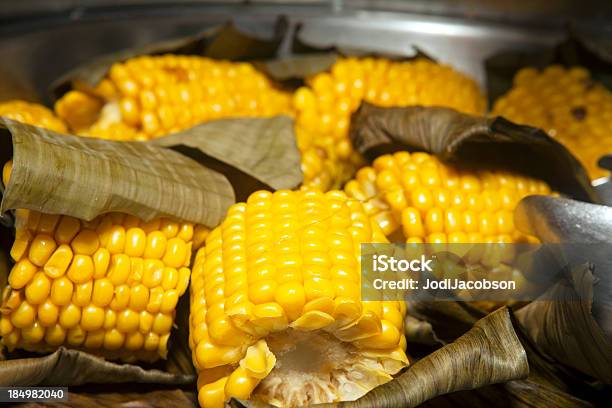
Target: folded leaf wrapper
[[81, 177], [71, 367], [224, 42], [455, 136], [265, 149]]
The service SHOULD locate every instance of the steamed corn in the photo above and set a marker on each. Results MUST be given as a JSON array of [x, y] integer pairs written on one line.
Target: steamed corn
[[109, 286], [324, 107], [433, 202], [568, 105], [152, 96], [155, 96], [276, 310], [32, 114]]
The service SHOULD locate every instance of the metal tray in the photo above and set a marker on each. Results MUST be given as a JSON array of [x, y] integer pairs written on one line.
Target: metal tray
[[38, 47]]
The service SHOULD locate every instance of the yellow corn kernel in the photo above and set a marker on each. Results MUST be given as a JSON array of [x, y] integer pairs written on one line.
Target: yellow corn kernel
[[81, 269], [61, 291], [92, 318], [176, 253], [86, 242], [33, 334], [38, 289], [7, 169], [116, 240], [135, 242], [47, 223], [119, 270], [127, 321], [20, 247], [156, 245], [67, 229], [70, 316], [113, 339], [47, 313], [134, 341], [139, 298], [121, 298], [24, 315], [83, 294], [58, 263], [41, 248], [153, 273], [21, 274]]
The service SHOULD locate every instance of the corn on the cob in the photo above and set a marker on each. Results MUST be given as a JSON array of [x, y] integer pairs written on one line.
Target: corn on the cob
[[568, 105], [323, 108], [158, 95], [435, 202], [148, 97], [32, 114], [109, 286], [276, 310]]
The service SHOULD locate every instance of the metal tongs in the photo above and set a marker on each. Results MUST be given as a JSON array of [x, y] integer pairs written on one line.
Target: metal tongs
[[603, 185]]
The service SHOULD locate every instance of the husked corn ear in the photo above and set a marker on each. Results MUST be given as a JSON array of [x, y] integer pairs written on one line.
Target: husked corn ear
[[568, 105], [436, 202], [152, 96], [276, 310], [157, 95], [324, 107], [109, 286], [32, 114]]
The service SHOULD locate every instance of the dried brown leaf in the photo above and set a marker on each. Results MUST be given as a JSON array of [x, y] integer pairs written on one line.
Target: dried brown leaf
[[471, 140], [67, 367], [263, 148], [82, 177], [566, 330]]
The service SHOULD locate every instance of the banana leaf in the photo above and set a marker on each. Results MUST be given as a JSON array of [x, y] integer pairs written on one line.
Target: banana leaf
[[82, 177], [253, 153], [477, 141]]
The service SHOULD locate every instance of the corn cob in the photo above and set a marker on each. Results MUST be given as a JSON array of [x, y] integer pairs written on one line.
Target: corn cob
[[33, 114], [324, 107], [109, 286], [156, 96], [568, 105], [435, 202], [148, 97], [276, 310]]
